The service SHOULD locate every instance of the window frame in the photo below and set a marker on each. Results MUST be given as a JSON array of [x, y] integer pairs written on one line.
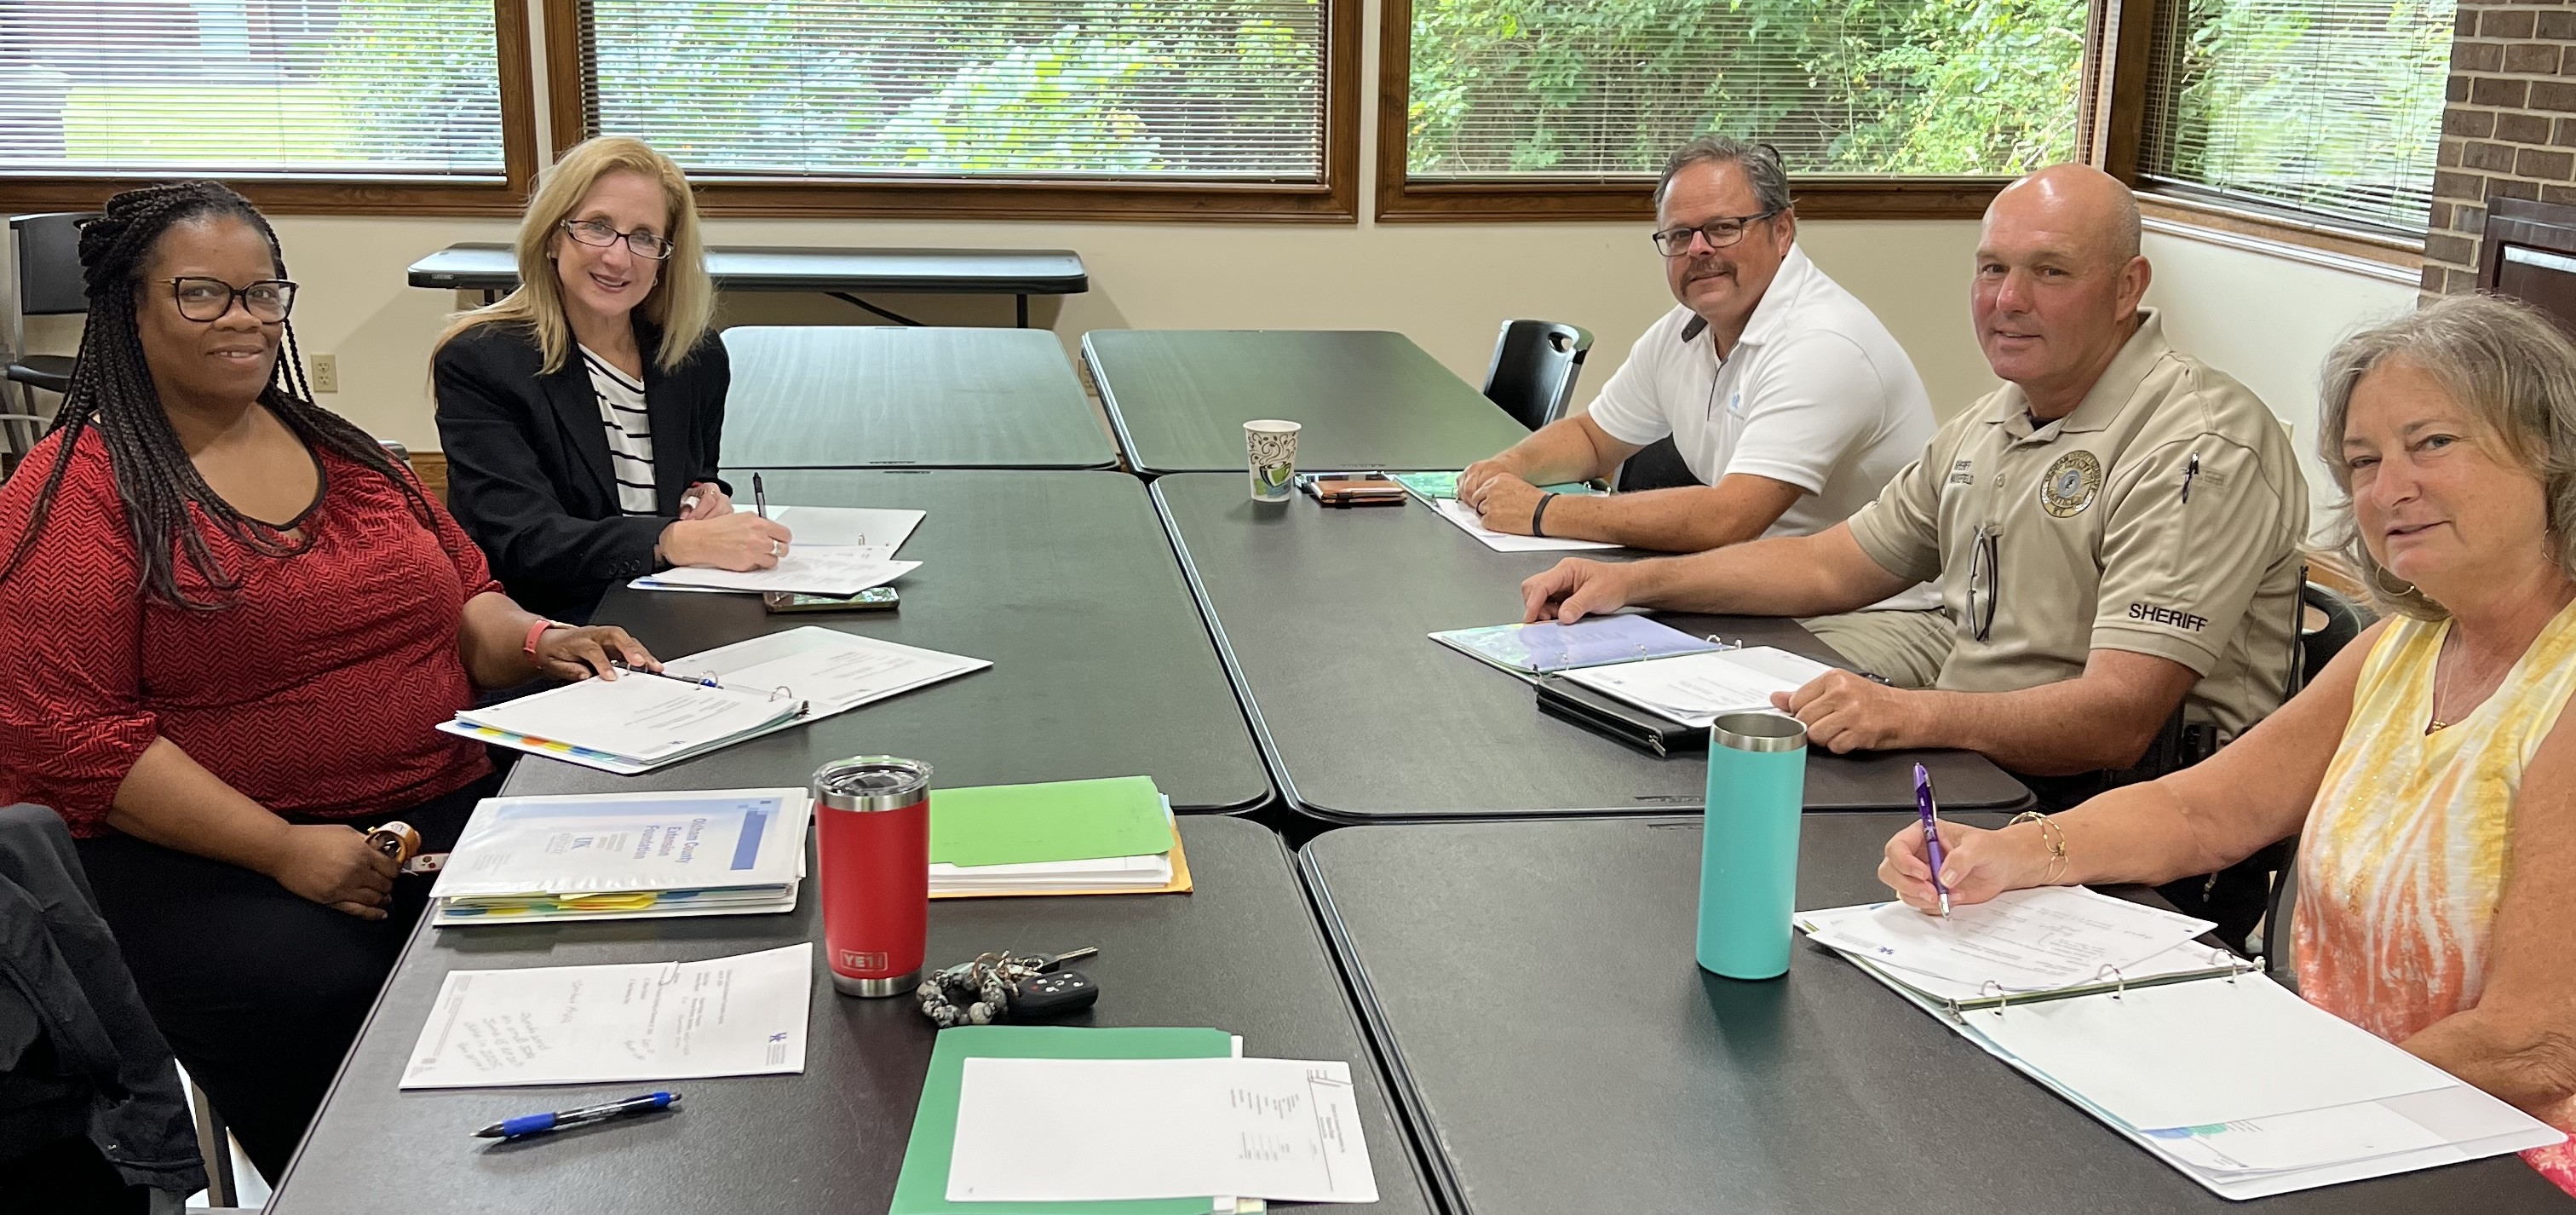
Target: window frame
[[1333, 200], [352, 194], [1403, 200], [2124, 76]]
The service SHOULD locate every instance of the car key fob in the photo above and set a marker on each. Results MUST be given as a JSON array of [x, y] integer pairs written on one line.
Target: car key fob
[[1055, 994]]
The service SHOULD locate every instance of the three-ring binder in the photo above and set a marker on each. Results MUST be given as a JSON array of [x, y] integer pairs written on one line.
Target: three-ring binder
[[2224, 966]]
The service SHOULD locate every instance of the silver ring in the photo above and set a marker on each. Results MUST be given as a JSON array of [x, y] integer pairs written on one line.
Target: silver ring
[[773, 548]]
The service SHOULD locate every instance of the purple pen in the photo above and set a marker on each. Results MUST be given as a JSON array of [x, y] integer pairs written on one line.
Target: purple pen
[[1931, 832]]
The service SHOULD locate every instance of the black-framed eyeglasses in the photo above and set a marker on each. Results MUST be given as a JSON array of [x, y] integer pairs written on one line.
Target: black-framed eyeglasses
[[1719, 233], [208, 299], [1985, 579], [593, 232]]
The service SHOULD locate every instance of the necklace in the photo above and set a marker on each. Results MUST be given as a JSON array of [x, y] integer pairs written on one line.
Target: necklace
[[2460, 660]]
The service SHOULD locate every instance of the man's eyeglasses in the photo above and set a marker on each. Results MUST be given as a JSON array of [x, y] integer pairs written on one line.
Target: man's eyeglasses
[[1719, 233], [208, 299], [593, 232], [1985, 578]]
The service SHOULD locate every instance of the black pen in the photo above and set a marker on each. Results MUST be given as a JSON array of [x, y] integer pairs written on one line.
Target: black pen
[[760, 497], [2190, 470], [538, 1124]]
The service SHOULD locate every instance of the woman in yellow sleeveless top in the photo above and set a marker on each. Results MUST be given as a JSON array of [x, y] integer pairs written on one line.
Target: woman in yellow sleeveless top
[[2426, 771]]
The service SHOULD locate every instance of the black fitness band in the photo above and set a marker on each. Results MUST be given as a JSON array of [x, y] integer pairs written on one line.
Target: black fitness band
[[1538, 513]]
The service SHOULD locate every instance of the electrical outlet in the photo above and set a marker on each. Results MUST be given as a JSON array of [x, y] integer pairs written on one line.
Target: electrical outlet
[[326, 373]]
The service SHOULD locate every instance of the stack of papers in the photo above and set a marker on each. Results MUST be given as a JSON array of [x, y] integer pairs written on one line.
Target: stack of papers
[[2236, 1082], [625, 856], [1697, 689], [1113, 836], [709, 700], [837, 551], [1539, 649], [1127, 1122], [1467, 520], [2023, 940], [737, 1016]]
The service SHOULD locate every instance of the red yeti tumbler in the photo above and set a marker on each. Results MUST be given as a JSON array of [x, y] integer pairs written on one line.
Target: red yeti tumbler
[[873, 815]]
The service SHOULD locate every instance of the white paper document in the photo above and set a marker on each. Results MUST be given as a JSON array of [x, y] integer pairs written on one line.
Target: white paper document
[[1069, 1130], [635, 716], [827, 668], [805, 571], [737, 1016], [1697, 689], [2022, 940], [1465, 517], [2205, 1052], [844, 526]]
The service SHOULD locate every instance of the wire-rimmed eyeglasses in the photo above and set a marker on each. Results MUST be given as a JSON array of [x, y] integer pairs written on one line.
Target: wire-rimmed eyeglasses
[[1985, 579]]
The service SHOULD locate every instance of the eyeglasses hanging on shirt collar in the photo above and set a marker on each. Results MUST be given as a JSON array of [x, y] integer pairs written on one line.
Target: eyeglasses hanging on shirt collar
[[1985, 579]]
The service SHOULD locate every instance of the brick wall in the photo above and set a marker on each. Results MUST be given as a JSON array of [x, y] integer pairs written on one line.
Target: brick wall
[[2509, 129]]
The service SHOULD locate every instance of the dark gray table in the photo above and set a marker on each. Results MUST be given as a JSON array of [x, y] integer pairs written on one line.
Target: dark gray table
[[1242, 954], [1368, 399], [1615, 1075], [839, 273], [1323, 617], [836, 396], [1062, 580]]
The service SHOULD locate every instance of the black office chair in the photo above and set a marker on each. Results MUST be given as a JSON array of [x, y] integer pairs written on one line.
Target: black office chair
[[49, 284], [1534, 368], [2327, 623], [1658, 465]]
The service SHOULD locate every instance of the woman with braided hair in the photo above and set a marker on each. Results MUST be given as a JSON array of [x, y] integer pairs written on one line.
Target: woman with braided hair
[[234, 624]]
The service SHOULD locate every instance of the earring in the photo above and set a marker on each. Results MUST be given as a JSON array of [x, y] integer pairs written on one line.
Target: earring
[[2382, 578]]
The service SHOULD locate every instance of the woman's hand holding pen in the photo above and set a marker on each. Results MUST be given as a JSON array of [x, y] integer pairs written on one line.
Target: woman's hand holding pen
[[735, 540], [1976, 864], [579, 653]]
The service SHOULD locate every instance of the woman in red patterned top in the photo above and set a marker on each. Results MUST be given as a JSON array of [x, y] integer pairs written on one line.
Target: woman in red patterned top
[[233, 624]]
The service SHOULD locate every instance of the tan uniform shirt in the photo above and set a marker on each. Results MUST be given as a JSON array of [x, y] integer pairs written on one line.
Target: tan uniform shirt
[[2163, 516]]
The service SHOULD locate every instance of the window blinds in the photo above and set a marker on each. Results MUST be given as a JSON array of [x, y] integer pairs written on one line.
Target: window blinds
[[2332, 108], [1081, 89], [345, 88], [1530, 89]]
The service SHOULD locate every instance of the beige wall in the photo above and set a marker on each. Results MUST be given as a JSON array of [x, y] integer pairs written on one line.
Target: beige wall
[[1447, 286], [2269, 320]]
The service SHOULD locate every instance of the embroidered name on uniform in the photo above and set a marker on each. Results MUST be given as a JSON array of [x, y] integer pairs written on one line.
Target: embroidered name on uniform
[[1959, 474], [2070, 484], [2168, 616]]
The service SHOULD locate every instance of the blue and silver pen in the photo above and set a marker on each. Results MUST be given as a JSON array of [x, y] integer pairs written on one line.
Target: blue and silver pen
[[538, 1124], [1931, 832], [759, 497]]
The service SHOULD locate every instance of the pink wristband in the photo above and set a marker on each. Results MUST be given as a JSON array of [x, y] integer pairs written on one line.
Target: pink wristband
[[538, 630]]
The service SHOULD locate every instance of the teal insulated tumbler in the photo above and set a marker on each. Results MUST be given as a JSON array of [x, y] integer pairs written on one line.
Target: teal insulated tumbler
[[1748, 866]]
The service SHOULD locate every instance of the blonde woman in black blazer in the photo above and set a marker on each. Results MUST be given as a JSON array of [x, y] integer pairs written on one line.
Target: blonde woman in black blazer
[[583, 414]]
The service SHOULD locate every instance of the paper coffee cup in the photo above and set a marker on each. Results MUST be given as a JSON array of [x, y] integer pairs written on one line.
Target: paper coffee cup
[[1271, 446]]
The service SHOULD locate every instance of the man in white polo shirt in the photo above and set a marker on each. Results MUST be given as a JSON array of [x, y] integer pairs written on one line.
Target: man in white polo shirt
[[1790, 402]]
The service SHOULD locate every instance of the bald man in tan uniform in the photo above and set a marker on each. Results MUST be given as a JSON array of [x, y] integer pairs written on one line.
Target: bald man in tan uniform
[[2116, 531]]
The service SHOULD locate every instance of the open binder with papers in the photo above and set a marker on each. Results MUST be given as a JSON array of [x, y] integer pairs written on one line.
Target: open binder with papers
[[709, 700], [2186, 1051]]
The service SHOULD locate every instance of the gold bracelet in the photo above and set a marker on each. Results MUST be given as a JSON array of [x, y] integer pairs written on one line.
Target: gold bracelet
[[2053, 836]]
